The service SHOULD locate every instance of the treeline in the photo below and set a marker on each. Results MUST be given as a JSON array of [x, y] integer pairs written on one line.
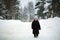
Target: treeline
[[52, 10], [11, 9]]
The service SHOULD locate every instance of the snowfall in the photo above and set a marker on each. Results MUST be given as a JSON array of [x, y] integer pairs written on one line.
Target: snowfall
[[17, 30]]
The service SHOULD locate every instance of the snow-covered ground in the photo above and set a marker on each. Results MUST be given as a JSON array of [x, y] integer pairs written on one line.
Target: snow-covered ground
[[17, 30]]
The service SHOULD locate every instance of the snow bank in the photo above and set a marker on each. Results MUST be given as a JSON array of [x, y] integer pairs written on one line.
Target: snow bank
[[50, 28], [17, 30]]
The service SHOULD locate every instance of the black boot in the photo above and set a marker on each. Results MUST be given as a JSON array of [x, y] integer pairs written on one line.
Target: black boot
[[35, 35]]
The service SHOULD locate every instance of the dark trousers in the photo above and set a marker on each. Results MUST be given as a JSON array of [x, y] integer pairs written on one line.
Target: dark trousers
[[35, 35], [35, 32]]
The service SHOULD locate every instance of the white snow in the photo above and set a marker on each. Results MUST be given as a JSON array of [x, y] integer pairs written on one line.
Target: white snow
[[25, 2], [17, 30]]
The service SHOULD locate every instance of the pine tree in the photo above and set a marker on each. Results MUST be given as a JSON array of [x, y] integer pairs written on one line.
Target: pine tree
[[25, 14], [12, 6], [40, 6], [56, 7], [3, 9], [31, 10]]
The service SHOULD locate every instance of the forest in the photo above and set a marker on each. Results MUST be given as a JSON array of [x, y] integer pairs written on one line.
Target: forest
[[12, 9]]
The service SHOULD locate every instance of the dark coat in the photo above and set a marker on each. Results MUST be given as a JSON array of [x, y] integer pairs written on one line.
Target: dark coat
[[36, 27]]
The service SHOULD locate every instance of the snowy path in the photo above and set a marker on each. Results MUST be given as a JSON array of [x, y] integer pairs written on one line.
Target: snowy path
[[17, 30]]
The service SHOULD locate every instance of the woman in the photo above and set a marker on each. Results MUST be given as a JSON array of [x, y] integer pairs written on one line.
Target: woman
[[36, 26]]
